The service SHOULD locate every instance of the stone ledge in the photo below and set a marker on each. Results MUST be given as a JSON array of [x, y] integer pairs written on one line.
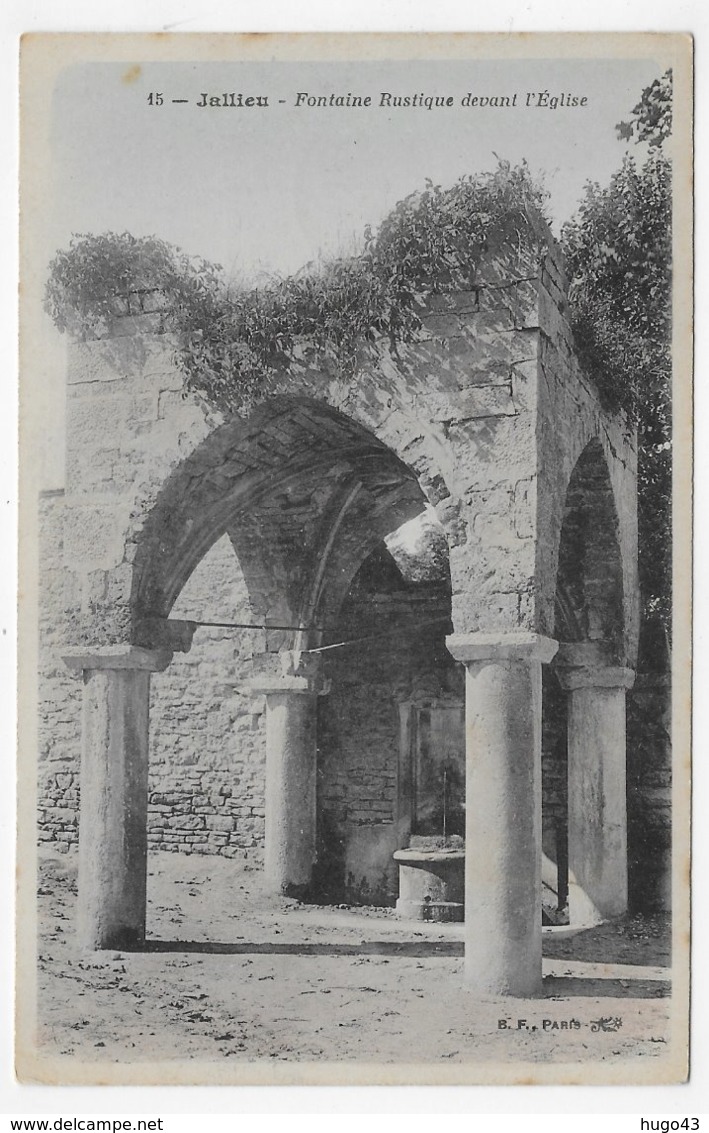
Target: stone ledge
[[117, 657], [501, 647], [265, 685], [410, 855], [591, 664]]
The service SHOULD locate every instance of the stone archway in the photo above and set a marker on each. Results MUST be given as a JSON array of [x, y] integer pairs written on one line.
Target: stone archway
[[484, 416], [592, 666]]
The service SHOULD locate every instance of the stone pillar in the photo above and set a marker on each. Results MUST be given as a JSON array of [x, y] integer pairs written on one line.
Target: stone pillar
[[291, 773], [598, 823], [503, 837], [114, 792]]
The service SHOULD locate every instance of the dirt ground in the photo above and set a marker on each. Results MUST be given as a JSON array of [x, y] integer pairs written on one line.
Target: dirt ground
[[230, 974]]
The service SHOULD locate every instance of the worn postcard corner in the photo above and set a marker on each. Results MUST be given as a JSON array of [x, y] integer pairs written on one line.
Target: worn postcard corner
[[355, 559]]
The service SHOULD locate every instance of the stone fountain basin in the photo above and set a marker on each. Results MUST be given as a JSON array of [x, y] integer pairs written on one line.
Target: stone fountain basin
[[431, 880]]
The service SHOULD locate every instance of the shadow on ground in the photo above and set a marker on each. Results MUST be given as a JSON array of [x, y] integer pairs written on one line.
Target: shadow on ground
[[229, 975], [630, 987], [628, 940], [561, 987], [417, 949]]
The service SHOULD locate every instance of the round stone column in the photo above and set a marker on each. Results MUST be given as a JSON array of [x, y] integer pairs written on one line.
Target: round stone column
[[114, 792], [598, 821], [291, 771], [503, 915]]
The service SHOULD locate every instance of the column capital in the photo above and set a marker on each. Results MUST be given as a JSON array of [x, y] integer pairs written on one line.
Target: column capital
[[267, 683], [520, 646], [291, 671], [603, 676], [81, 658]]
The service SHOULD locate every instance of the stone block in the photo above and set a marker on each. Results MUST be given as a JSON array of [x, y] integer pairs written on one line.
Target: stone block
[[442, 326], [478, 401], [186, 822], [218, 822], [455, 301], [93, 536]]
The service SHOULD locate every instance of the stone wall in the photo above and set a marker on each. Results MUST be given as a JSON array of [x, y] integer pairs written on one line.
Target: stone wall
[[59, 708], [207, 740], [207, 735]]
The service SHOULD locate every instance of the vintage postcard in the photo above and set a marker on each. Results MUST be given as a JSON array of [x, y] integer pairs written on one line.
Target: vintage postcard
[[355, 559]]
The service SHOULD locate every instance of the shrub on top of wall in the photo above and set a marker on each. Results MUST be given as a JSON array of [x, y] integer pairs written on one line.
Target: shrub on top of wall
[[233, 343], [100, 278]]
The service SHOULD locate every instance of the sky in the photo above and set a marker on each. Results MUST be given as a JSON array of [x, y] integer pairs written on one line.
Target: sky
[[263, 190], [268, 189]]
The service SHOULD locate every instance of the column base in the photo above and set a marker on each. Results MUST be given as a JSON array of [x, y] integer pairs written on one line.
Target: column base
[[119, 940], [504, 987]]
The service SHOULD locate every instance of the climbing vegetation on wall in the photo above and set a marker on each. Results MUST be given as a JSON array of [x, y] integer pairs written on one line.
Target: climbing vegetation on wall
[[618, 254], [618, 251], [100, 278], [233, 342]]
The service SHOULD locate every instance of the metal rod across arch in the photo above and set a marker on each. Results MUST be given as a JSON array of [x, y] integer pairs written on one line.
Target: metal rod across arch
[[334, 645], [251, 625]]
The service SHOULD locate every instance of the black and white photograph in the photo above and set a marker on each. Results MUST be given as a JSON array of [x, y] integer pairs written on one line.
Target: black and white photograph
[[355, 559]]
